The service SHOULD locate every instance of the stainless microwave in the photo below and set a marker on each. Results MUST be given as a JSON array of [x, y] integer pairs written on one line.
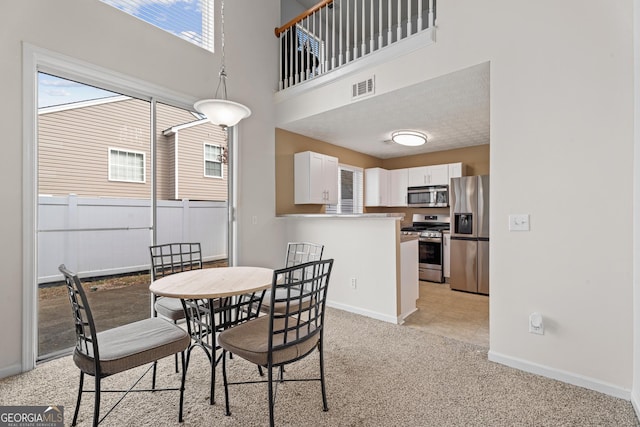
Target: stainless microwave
[[432, 196]]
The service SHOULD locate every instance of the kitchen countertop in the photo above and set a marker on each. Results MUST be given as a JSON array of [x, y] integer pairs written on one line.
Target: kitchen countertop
[[407, 238]]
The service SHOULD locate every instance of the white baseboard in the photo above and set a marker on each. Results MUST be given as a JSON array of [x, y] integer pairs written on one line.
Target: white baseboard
[[564, 376], [10, 371], [400, 319], [363, 312], [635, 401]]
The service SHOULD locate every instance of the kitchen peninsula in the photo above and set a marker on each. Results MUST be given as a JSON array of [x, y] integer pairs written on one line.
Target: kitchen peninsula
[[375, 272]]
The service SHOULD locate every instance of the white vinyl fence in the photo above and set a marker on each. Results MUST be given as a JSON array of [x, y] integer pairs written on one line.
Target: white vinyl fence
[[107, 236]]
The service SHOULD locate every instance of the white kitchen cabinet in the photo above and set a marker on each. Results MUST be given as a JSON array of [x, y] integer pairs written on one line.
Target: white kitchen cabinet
[[376, 192], [398, 183], [429, 175], [315, 178], [456, 170], [446, 254]]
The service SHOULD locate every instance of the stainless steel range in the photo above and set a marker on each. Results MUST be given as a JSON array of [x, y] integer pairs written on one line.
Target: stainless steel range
[[429, 230]]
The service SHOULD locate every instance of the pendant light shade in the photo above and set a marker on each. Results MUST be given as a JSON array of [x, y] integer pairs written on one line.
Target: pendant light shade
[[219, 110], [222, 112]]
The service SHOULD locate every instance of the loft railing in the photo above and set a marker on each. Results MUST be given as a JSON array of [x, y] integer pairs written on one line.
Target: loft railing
[[335, 32]]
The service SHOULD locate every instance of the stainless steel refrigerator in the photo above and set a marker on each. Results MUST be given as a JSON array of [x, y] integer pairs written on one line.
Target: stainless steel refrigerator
[[469, 251]]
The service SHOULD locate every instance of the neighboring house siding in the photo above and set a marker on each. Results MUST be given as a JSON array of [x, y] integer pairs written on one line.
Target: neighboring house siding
[[73, 151], [192, 179]]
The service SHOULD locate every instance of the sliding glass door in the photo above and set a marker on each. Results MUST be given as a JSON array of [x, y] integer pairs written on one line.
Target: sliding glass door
[[115, 174]]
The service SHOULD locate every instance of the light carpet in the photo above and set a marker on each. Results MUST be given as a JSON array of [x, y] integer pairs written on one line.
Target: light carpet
[[378, 374]]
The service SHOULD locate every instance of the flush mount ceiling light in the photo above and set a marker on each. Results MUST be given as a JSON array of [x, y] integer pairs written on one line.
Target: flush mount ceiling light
[[410, 138], [221, 111]]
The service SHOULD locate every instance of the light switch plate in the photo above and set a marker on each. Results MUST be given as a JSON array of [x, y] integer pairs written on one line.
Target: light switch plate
[[519, 222]]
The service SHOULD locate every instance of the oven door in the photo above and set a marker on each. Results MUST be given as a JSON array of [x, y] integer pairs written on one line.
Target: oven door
[[430, 259]]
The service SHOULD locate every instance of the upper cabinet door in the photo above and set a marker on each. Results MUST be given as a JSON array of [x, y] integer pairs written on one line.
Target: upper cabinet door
[[438, 175], [456, 170], [429, 175], [376, 181], [330, 178], [398, 183], [315, 178], [418, 176]]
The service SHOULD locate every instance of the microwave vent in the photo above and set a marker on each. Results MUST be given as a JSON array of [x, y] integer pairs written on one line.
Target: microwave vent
[[362, 88]]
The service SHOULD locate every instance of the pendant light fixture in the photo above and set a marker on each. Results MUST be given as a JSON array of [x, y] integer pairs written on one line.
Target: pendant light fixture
[[221, 111], [410, 138]]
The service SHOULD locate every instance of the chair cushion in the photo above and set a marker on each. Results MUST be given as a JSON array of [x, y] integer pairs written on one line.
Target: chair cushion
[[134, 344], [280, 307], [171, 308], [250, 340]]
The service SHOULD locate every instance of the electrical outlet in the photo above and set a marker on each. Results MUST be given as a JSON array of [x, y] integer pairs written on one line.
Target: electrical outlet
[[536, 326], [353, 283]]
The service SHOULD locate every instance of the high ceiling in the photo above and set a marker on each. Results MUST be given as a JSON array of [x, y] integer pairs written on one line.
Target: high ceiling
[[452, 110]]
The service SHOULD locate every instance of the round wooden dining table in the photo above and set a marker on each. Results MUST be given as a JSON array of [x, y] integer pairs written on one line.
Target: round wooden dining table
[[211, 283], [214, 293]]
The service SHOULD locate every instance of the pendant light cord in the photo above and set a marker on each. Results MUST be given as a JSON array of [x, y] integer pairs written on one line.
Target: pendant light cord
[[223, 74]]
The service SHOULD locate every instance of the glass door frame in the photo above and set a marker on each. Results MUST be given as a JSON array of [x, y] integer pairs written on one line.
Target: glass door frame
[[35, 60]]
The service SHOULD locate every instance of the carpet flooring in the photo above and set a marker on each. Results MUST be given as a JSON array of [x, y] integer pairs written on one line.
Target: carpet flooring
[[378, 374]]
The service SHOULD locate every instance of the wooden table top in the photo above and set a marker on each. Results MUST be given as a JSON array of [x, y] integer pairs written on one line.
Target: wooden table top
[[213, 282]]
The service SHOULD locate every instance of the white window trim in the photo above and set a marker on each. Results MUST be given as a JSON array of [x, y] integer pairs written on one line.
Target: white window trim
[[144, 165], [354, 169], [204, 161], [207, 18]]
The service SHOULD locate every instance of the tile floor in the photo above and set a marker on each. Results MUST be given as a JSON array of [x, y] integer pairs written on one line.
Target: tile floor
[[459, 315]]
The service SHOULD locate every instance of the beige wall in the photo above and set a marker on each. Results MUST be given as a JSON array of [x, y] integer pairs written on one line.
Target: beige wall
[[475, 158], [289, 143]]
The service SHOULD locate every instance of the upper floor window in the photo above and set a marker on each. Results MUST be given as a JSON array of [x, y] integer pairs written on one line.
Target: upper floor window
[[191, 20], [350, 191], [126, 166], [212, 161], [308, 43]]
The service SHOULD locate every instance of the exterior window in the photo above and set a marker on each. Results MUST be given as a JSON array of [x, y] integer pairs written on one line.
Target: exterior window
[[126, 166], [212, 161], [350, 191], [188, 19], [315, 46]]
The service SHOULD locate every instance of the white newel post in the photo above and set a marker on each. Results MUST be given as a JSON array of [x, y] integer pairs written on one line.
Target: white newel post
[[355, 29], [431, 18], [348, 43], [389, 32], [363, 45], [379, 24], [408, 18], [399, 32]]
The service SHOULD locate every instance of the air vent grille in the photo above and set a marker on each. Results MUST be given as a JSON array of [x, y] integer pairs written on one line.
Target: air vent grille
[[362, 88]]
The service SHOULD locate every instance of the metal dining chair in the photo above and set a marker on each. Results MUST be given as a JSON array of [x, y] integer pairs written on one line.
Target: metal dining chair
[[297, 253], [283, 337], [171, 258], [116, 350]]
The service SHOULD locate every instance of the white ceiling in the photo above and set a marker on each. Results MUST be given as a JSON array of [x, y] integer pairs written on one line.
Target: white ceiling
[[452, 110]]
